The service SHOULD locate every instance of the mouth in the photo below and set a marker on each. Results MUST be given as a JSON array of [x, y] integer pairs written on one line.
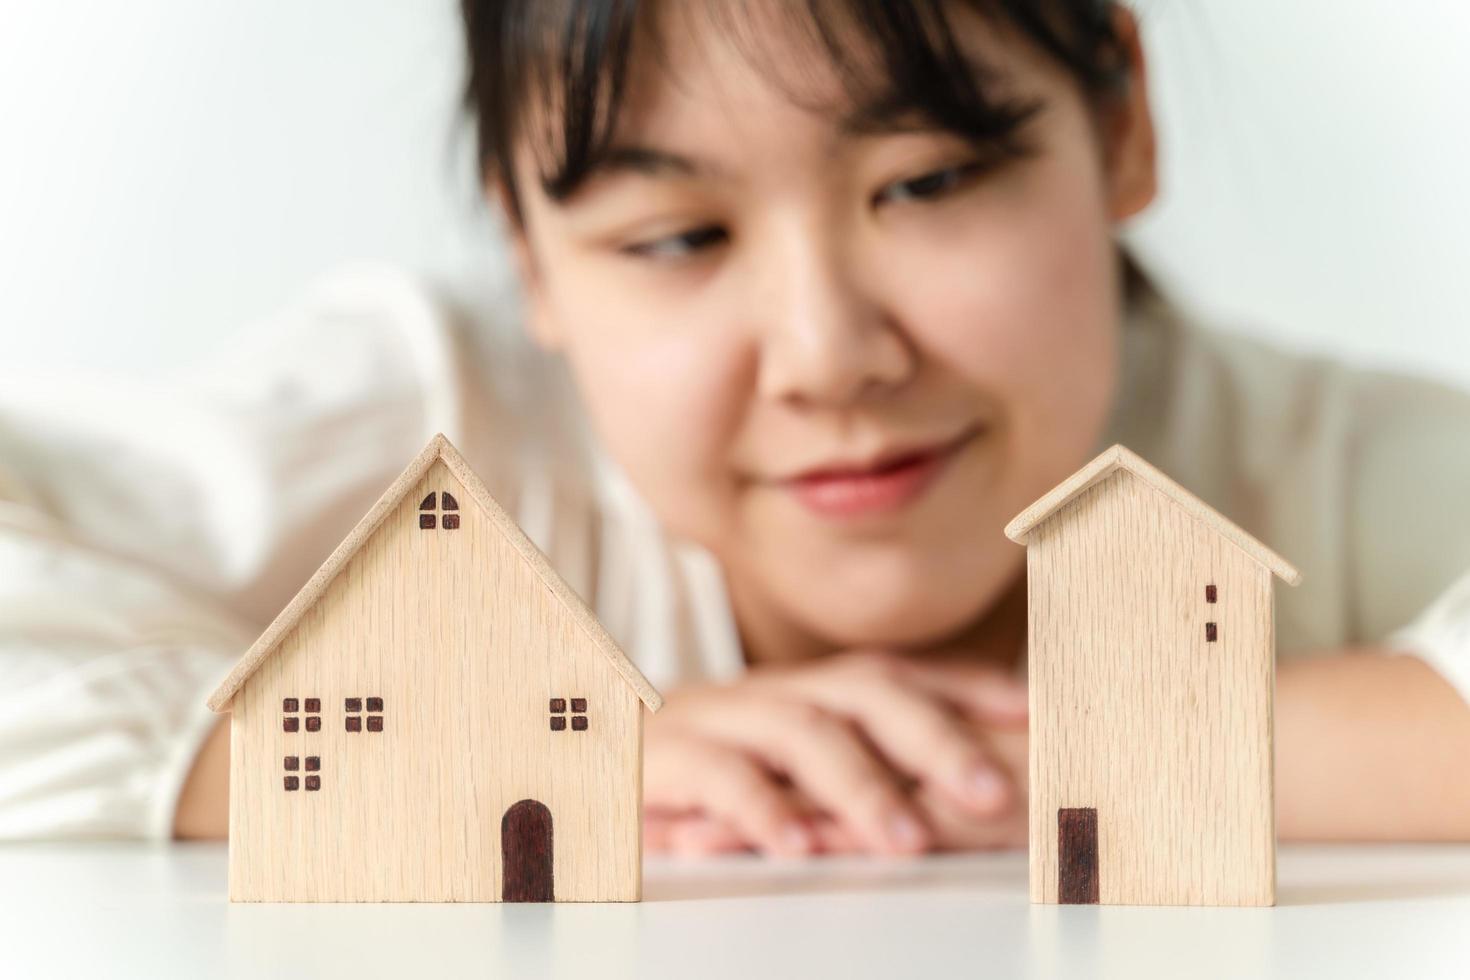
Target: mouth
[[883, 485]]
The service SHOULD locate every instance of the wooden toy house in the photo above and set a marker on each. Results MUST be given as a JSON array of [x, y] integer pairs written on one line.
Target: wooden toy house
[[436, 716], [1151, 658]]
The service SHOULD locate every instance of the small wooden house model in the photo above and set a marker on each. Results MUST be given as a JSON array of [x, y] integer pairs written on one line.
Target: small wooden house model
[[436, 716], [1151, 658]]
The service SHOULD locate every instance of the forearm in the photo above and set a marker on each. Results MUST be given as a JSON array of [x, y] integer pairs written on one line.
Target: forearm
[[1370, 746], [203, 810]]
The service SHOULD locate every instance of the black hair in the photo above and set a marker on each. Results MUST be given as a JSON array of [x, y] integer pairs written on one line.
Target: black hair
[[899, 57]]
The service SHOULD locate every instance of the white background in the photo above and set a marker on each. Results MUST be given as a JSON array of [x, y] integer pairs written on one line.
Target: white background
[[170, 170]]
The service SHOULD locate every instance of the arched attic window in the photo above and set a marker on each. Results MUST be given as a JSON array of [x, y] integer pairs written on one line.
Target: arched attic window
[[441, 509]]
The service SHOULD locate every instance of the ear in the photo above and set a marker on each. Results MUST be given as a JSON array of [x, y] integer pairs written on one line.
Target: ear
[[539, 321], [1128, 128]]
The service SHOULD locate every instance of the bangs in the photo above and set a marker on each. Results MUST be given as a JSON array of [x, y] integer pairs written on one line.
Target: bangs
[[553, 74]]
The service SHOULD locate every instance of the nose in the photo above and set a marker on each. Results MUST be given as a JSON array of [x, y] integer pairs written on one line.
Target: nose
[[827, 337]]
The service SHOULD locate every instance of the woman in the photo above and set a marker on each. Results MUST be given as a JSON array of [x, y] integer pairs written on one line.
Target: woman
[[839, 290]]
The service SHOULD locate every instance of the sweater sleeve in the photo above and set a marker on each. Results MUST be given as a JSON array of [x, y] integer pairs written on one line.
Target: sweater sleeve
[[1409, 521], [149, 532], [1441, 636], [104, 666]]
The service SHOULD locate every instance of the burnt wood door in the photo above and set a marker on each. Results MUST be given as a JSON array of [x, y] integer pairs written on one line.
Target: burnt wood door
[[1077, 882], [525, 850]]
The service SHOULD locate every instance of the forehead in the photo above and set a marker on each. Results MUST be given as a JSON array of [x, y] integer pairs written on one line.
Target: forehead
[[702, 70], [814, 57]]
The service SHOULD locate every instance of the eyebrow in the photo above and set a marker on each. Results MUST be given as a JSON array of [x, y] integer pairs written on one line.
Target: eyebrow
[[873, 119], [651, 161], [645, 161], [883, 116]]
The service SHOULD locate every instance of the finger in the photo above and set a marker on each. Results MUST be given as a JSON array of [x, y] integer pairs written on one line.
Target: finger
[[830, 764], [657, 832], [957, 830], [836, 838], [919, 733], [686, 772], [989, 694], [689, 833], [702, 836]]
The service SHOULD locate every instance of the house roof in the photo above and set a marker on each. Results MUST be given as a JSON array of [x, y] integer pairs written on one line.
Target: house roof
[[1120, 457], [438, 448]]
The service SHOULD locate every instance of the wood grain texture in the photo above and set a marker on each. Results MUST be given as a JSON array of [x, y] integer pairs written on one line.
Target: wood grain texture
[[457, 644], [438, 451], [1135, 714], [1118, 457]]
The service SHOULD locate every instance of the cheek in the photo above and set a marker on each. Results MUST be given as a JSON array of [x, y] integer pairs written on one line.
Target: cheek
[[1021, 300], [666, 403], [665, 377]]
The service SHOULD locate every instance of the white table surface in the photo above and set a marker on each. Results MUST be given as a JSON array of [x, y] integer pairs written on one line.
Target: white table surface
[[109, 910]]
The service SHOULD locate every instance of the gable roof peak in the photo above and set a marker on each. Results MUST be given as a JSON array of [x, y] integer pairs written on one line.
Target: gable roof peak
[[1120, 457], [438, 448]]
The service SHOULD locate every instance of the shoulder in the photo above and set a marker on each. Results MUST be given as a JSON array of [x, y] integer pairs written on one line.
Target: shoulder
[[241, 473], [1357, 476]]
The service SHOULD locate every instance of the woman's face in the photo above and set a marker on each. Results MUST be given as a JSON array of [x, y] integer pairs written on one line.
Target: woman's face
[[841, 360]]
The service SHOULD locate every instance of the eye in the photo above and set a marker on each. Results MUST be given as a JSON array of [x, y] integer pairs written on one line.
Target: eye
[[680, 245], [932, 185]]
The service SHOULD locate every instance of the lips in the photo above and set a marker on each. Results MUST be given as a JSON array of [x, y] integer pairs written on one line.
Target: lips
[[883, 486]]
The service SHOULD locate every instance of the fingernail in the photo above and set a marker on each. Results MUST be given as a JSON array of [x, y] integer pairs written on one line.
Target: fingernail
[[905, 833], [984, 786]]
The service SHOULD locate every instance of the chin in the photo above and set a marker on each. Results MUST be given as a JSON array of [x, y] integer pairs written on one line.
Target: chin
[[901, 628], [873, 607], [915, 580]]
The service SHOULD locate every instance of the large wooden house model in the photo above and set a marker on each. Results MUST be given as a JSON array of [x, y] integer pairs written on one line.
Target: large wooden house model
[[1151, 660], [435, 717]]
